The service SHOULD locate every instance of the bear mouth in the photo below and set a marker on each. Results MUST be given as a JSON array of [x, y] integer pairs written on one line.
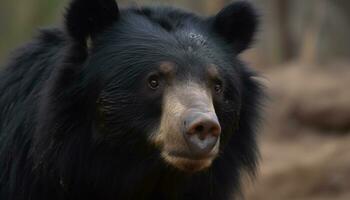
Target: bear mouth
[[190, 156], [188, 163]]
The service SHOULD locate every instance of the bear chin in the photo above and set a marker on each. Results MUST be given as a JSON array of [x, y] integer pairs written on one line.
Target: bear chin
[[186, 164]]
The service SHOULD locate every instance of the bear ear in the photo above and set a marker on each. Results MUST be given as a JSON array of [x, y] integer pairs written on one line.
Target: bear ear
[[86, 18], [237, 24]]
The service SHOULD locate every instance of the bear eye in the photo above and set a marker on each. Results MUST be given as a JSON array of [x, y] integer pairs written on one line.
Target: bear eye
[[153, 82], [218, 87]]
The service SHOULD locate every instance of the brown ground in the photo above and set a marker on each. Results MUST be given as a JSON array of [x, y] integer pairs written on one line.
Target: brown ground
[[305, 142]]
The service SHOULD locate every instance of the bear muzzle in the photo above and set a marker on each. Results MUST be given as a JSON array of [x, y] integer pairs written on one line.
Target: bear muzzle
[[189, 132]]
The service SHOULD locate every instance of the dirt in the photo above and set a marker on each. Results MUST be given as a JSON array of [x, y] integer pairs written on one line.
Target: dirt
[[305, 139]]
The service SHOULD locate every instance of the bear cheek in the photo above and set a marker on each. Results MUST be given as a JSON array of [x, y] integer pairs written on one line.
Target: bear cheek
[[169, 133]]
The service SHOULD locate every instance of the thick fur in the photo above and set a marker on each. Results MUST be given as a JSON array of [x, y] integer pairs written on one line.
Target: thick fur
[[74, 124]]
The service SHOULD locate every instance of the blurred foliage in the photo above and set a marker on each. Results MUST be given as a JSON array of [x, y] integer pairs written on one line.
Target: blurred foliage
[[311, 31], [19, 20]]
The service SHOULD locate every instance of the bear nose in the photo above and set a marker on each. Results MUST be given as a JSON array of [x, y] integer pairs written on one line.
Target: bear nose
[[202, 132]]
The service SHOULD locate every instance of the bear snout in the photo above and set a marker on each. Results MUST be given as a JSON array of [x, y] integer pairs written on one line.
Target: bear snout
[[201, 132]]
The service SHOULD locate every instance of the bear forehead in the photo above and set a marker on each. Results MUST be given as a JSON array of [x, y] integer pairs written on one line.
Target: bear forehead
[[167, 17], [191, 40], [185, 27], [142, 37]]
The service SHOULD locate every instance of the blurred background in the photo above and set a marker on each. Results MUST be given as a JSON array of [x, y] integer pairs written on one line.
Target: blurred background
[[303, 53]]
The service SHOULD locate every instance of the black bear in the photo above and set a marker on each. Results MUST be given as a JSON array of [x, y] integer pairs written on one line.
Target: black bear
[[133, 103]]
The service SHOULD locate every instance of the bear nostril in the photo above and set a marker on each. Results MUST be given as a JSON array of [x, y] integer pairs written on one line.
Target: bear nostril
[[215, 130], [199, 128], [205, 128]]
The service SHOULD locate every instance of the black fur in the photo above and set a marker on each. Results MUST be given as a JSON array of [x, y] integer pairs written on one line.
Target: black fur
[[75, 121], [89, 17], [237, 23]]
